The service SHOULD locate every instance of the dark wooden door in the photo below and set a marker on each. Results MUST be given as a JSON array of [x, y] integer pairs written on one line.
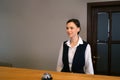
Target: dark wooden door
[[104, 36]]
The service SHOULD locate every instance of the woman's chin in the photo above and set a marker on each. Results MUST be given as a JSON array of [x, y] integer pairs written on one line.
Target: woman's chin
[[69, 36]]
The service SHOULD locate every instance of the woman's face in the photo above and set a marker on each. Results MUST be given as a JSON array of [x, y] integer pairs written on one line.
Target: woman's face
[[72, 30]]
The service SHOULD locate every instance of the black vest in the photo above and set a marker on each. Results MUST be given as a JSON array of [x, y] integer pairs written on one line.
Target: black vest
[[78, 59]]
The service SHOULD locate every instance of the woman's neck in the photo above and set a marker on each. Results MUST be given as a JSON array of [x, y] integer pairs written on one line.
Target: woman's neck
[[74, 41]]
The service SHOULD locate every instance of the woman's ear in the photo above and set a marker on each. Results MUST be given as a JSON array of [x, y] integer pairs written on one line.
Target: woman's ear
[[78, 29]]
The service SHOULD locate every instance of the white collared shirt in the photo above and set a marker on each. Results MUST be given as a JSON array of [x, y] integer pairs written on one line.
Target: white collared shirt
[[88, 68]]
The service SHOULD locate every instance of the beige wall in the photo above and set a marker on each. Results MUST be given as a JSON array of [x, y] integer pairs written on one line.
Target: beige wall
[[31, 31]]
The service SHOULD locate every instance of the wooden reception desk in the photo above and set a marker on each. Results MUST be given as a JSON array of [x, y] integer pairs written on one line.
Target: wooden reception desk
[[8, 73]]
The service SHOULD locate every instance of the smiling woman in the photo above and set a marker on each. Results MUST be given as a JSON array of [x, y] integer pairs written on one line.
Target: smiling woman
[[75, 54]]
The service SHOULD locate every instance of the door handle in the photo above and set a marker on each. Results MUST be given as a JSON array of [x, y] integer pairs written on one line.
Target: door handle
[[94, 57]]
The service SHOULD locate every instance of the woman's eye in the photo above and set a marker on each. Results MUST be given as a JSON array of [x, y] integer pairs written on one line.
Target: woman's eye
[[71, 27], [67, 28]]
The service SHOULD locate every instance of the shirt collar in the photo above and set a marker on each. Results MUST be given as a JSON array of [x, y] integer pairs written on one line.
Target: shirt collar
[[80, 41]]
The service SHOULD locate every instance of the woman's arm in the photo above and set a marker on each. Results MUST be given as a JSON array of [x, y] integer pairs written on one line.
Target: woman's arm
[[88, 61], [60, 63]]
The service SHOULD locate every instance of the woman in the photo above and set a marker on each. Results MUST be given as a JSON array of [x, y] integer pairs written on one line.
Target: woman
[[75, 54]]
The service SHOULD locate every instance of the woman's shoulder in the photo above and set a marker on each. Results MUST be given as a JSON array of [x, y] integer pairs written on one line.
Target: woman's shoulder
[[85, 42], [65, 41]]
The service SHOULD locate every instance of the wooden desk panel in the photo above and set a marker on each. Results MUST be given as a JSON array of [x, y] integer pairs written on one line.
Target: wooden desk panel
[[7, 73]]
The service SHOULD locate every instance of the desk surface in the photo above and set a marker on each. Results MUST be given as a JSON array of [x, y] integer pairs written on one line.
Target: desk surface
[[7, 73]]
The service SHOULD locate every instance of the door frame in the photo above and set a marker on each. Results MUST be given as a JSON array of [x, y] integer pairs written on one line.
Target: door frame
[[91, 26]]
